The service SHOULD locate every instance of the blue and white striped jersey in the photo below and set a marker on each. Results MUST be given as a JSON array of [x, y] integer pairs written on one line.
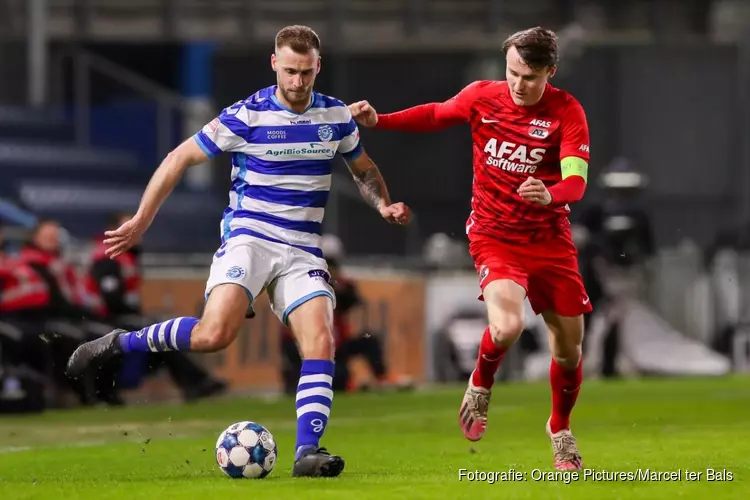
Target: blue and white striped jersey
[[281, 165]]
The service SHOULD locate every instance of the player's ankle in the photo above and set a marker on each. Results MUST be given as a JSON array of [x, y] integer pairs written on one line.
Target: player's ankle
[[303, 450], [558, 423], [477, 382]]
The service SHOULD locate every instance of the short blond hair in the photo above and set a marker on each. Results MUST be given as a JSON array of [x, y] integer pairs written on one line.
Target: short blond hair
[[301, 39]]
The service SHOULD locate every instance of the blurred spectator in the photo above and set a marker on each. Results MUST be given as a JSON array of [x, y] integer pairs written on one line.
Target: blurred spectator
[[615, 238], [723, 263], [116, 284], [66, 317], [25, 300]]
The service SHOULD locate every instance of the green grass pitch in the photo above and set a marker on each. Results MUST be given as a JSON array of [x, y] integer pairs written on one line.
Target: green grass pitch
[[398, 446]]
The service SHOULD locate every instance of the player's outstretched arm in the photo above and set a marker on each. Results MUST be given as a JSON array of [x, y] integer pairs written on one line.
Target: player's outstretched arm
[[373, 189], [429, 117], [162, 183]]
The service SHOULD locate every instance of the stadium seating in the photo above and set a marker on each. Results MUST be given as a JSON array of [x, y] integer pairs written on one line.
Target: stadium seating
[[45, 172]]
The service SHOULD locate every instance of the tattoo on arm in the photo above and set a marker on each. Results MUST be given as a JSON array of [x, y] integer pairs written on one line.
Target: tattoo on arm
[[372, 186]]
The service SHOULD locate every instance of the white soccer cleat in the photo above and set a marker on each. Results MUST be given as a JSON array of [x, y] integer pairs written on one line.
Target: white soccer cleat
[[473, 414]]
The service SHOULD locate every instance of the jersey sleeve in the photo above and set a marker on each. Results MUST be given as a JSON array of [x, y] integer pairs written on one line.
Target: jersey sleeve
[[459, 106], [350, 146], [574, 139], [226, 133], [434, 116]]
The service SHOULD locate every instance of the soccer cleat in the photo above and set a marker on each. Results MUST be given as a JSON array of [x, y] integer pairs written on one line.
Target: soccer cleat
[[95, 351], [317, 462], [473, 414], [565, 448]]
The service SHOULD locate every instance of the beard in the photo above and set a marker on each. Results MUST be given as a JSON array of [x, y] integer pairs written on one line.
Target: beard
[[296, 97]]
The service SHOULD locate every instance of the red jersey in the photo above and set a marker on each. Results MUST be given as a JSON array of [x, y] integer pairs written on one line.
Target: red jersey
[[122, 282], [21, 288], [66, 276], [510, 143]]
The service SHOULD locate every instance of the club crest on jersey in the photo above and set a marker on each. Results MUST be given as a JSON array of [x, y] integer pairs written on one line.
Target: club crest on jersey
[[539, 133], [325, 132]]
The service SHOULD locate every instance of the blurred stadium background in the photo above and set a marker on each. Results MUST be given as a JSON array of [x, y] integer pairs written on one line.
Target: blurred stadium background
[[95, 92]]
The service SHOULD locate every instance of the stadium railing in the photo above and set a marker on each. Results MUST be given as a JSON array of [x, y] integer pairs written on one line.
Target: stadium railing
[[87, 64], [254, 21]]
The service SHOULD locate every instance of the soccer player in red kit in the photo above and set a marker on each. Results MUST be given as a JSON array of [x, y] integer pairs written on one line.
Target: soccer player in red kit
[[531, 153]]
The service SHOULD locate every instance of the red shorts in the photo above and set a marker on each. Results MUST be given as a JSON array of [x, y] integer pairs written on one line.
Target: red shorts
[[547, 270]]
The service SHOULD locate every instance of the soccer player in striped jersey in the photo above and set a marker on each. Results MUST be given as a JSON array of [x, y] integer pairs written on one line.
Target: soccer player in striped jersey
[[282, 139], [531, 153]]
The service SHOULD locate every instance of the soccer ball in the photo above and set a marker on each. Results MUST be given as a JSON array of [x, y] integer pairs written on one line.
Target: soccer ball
[[246, 450]]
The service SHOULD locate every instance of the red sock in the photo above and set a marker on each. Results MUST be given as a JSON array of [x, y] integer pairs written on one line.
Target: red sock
[[488, 361], [565, 384]]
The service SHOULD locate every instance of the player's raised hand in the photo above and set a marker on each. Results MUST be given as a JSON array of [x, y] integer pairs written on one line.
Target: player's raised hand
[[364, 114], [124, 237], [397, 213], [535, 191]]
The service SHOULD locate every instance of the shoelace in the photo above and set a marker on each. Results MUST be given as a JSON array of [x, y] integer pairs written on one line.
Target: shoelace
[[565, 448], [479, 403]]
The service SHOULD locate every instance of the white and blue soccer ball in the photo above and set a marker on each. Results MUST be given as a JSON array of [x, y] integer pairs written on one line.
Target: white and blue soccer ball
[[246, 450]]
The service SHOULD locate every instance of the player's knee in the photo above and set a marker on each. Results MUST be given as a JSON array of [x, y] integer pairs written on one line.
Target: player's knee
[[317, 343], [567, 352], [506, 330], [570, 358]]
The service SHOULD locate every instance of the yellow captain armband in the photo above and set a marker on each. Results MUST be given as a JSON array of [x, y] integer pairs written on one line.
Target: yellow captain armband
[[573, 165]]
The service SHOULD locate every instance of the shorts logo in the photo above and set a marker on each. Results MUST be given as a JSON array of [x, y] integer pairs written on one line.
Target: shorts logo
[[325, 132], [319, 274], [484, 271], [235, 273]]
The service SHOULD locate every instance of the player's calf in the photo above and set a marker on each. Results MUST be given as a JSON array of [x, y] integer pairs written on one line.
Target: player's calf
[[172, 335], [312, 324], [222, 318], [566, 367], [208, 336], [505, 311]]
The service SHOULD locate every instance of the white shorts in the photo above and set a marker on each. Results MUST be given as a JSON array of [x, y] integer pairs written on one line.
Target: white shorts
[[290, 276]]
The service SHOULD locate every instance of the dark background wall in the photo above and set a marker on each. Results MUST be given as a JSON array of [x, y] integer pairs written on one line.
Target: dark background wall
[[672, 110]]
